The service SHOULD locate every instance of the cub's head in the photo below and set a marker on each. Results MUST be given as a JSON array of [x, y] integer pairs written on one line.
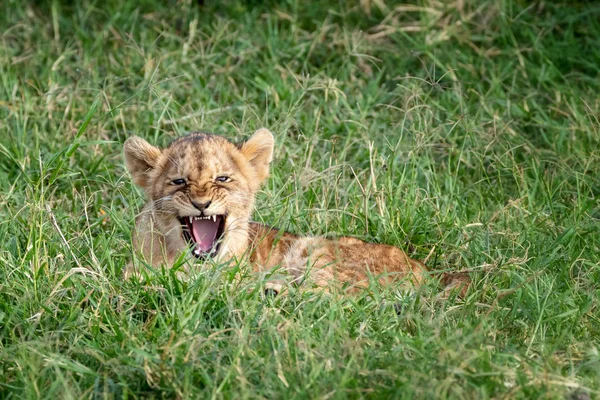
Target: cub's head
[[202, 184]]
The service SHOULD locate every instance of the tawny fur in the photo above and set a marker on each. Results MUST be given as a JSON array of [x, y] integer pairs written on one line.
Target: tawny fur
[[346, 262]]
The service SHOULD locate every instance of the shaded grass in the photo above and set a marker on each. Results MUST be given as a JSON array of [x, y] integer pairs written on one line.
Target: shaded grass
[[466, 133]]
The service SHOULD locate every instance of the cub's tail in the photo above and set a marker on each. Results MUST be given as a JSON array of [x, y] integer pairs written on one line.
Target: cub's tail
[[455, 282]]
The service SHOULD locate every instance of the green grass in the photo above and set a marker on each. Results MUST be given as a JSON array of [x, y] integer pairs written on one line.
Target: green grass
[[467, 134]]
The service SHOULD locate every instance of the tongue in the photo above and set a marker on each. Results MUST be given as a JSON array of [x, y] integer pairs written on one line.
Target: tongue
[[205, 232]]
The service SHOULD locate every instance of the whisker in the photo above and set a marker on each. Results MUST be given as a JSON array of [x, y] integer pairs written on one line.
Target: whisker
[[176, 164]]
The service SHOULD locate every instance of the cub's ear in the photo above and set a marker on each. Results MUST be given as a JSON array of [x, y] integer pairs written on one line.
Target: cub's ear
[[259, 151], [140, 158]]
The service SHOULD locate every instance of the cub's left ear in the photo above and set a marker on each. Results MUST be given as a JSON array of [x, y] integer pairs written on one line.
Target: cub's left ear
[[259, 151], [140, 158]]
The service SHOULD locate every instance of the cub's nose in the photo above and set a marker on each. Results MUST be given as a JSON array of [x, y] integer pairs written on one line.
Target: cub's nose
[[201, 206]]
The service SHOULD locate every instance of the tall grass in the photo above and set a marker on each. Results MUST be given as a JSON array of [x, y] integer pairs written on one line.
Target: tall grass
[[466, 133]]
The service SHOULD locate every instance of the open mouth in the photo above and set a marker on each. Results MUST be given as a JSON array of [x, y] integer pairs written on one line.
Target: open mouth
[[204, 234]]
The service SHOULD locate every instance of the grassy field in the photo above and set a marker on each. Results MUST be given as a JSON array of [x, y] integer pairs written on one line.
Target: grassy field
[[465, 132]]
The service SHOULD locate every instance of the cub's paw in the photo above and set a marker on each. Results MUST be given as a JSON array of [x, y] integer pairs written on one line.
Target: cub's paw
[[273, 288]]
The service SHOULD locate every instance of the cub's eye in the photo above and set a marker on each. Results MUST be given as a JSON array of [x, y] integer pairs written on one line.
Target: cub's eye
[[223, 179], [179, 181]]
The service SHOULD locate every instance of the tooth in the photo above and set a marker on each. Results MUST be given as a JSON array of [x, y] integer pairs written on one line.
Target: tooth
[[191, 220], [214, 217]]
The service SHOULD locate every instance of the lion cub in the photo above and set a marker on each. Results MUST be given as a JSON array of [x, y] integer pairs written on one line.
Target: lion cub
[[201, 190]]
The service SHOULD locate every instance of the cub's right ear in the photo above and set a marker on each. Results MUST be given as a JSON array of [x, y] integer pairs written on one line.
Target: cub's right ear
[[140, 158], [259, 151]]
